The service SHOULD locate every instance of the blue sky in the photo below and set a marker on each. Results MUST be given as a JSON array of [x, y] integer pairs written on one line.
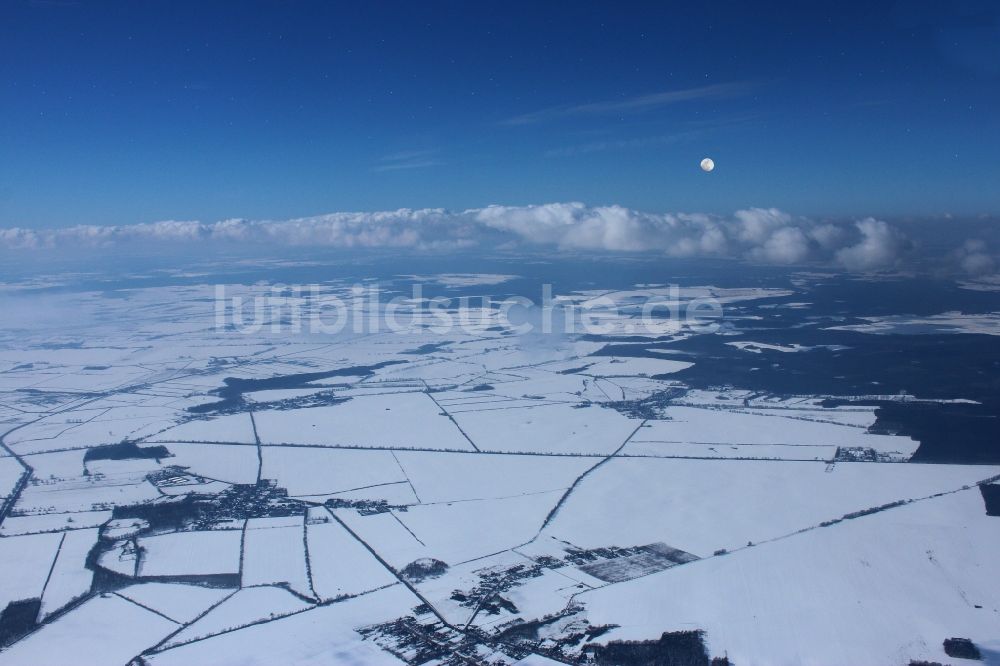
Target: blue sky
[[123, 112]]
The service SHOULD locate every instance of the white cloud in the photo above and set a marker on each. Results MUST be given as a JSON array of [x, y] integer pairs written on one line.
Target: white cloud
[[17, 238], [879, 247], [764, 235], [973, 257], [756, 224], [787, 245], [828, 236]]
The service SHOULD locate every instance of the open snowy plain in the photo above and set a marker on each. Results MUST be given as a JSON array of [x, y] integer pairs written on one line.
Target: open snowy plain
[[175, 492]]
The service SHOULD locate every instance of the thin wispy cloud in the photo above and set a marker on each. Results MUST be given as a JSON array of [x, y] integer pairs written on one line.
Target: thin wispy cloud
[[413, 164], [637, 104], [408, 159], [620, 144], [686, 131]]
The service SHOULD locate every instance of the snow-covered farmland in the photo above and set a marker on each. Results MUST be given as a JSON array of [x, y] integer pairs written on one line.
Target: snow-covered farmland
[[103, 630], [701, 506], [175, 494], [556, 429], [885, 588], [274, 553], [323, 635], [69, 579], [727, 426], [192, 553], [340, 565], [403, 421], [318, 471]]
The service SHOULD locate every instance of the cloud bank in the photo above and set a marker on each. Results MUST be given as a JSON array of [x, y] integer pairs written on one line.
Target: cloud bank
[[762, 235]]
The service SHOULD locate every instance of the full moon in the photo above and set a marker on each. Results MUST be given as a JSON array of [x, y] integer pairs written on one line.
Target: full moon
[[707, 164]]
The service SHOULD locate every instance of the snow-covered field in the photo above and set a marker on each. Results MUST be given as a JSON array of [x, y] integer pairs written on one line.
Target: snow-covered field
[[173, 493], [885, 589]]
